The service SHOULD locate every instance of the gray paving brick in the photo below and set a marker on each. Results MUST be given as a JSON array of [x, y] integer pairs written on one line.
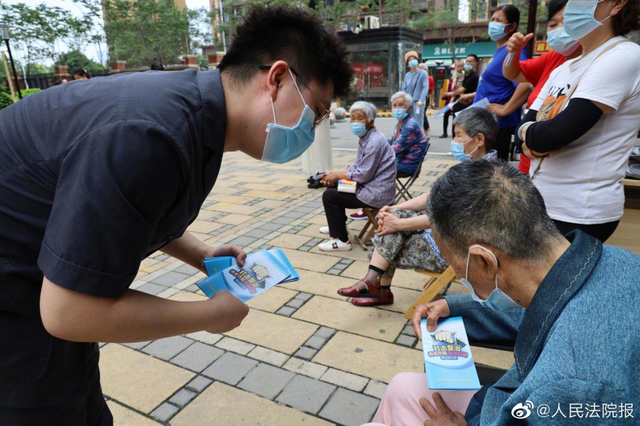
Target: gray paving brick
[[270, 227], [408, 330], [295, 304], [199, 383], [286, 311], [257, 233], [193, 288], [164, 412], [316, 342], [236, 346], [183, 397], [230, 368], [345, 380], [167, 348], [268, 356], [306, 353], [305, 394], [406, 340], [303, 296], [170, 278], [266, 380], [281, 220], [334, 271], [303, 248], [349, 408], [151, 288], [307, 368], [137, 345], [293, 215], [243, 240], [197, 357], [325, 332], [375, 389], [187, 269]]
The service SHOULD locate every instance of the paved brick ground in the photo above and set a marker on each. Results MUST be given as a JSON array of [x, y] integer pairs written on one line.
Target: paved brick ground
[[304, 355]]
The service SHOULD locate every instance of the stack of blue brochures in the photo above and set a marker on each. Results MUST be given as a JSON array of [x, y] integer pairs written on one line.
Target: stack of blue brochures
[[261, 271], [447, 356]]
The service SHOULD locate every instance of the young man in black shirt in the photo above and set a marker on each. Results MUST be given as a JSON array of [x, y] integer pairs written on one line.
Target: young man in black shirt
[[84, 201], [463, 95]]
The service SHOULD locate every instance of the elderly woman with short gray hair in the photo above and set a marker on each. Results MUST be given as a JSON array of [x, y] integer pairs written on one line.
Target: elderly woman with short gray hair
[[404, 239], [409, 141], [374, 171]]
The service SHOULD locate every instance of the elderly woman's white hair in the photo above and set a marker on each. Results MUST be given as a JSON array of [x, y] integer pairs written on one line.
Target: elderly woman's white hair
[[408, 100], [369, 109]]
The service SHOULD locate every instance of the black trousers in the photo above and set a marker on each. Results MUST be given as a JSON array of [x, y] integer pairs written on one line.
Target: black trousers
[[445, 123], [503, 142], [601, 231], [92, 411], [335, 204]]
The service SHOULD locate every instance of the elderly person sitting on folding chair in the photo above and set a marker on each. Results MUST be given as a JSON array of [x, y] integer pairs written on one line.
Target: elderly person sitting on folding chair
[[404, 236], [374, 172], [577, 339], [408, 142]]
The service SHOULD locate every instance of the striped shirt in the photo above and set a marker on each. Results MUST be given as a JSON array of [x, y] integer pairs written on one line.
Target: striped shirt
[[374, 170]]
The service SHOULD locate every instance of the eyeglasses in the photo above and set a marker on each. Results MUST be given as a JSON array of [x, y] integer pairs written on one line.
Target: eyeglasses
[[324, 116]]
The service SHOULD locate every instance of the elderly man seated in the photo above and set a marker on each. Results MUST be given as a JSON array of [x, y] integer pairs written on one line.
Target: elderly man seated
[[404, 239], [374, 171], [577, 340]]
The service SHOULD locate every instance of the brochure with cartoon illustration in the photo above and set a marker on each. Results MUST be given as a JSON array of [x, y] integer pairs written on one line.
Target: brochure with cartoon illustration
[[213, 265], [260, 272], [447, 356]]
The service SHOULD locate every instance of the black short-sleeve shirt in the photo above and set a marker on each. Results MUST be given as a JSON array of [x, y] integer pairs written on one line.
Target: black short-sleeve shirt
[[470, 84], [94, 176]]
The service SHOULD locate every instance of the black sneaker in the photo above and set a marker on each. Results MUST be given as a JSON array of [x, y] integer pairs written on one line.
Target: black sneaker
[[444, 135]]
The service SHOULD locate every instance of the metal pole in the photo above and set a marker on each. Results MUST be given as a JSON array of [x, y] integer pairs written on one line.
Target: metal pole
[[13, 68], [531, 25]]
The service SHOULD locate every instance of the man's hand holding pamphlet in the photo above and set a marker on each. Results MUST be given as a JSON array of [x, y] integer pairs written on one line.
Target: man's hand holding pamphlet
[[261, 271]]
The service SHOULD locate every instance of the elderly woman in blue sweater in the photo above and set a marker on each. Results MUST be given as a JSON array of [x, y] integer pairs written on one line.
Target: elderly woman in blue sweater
[[569, 305]]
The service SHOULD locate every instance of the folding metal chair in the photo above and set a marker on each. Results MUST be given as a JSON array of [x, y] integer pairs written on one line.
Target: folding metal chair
[[402, 188]]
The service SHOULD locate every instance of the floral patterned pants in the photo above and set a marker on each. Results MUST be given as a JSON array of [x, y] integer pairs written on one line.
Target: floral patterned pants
[[407, 249]]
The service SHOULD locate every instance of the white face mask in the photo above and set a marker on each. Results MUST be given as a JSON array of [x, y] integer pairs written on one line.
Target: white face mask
[[498, 300]]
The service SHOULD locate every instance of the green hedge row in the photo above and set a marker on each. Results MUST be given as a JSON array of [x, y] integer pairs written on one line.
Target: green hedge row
[[6, 100]]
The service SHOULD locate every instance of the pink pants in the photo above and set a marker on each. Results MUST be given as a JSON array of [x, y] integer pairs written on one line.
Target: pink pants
[[400, 405]]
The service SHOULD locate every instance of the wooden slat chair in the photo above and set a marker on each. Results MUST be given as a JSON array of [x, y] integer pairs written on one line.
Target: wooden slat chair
[[369, 228], [432, 287]]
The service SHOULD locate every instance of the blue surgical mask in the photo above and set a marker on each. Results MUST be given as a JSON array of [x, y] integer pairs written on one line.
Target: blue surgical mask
[[399, 114], [413, 63], [498, 300], [457, 149], [579, 18], [560, 41], [496, 30], [284, 144], [468, 68], [358, 129]]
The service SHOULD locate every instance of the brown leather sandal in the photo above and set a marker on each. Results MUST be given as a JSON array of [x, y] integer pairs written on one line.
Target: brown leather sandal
[[378, 295], [352, 292]]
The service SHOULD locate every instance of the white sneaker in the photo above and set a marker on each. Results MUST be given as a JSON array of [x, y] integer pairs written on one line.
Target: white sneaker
[[325, 230], [334, 244]]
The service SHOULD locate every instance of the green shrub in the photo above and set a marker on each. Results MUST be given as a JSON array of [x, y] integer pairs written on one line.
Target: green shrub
[[6, 100]]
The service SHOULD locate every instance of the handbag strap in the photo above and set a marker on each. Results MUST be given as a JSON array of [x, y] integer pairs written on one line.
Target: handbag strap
[[565, 101]]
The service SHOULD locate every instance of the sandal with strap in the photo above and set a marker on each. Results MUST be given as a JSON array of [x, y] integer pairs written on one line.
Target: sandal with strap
[[376, 296], [352, 292]]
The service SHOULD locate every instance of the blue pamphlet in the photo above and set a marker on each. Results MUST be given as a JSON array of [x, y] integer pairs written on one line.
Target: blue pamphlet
[[278, 253], [213, 265], [447, 356], [261, 271]]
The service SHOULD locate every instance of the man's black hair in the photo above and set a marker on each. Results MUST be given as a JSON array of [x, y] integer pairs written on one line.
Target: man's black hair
[[555, 6], [269, 34], [81, 72], [474, 56], [157, 66]]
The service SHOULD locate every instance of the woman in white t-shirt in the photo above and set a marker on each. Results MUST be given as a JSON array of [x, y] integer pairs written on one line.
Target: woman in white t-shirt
[[581, 129]]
